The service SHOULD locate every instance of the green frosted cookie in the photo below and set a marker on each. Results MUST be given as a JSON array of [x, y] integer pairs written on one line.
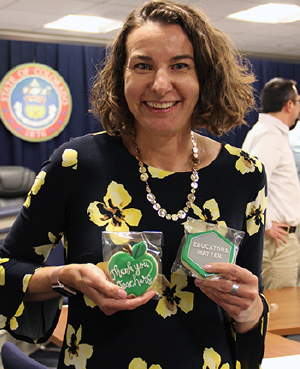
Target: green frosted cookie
[[204, 248], [133, 269]]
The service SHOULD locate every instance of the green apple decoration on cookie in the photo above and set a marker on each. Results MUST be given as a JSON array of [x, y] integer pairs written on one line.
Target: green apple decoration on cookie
[[133, 269]]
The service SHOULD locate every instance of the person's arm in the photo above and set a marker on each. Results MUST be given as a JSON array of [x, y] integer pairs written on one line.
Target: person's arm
[[267, 148], [89, 280]]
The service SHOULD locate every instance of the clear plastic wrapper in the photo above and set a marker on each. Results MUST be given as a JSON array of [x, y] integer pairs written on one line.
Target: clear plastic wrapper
[[204, 243], [133, 260]]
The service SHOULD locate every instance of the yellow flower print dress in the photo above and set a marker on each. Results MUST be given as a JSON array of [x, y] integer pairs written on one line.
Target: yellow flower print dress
[[92, 184]]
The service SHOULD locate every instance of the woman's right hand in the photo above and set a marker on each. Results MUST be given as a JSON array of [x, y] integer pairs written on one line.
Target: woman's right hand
[[93, 282]]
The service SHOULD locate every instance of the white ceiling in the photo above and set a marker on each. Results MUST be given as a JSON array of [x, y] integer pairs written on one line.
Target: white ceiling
[[24, 19]]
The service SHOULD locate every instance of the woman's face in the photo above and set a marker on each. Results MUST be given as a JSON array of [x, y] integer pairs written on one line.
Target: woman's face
[[160, 80]]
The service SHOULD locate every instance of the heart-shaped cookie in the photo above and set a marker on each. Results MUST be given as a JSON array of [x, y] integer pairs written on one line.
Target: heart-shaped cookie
[[133, 269]]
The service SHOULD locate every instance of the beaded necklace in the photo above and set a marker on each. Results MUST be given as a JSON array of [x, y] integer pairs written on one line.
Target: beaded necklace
[[163, 213]]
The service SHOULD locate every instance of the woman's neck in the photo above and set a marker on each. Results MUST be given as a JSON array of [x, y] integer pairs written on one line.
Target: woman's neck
[[171, 153]]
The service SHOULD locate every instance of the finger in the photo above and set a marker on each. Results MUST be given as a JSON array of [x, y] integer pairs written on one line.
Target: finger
[[110, 306], [227, 271], [219, 287], [230, 273], [233, 303], [94, 278], [282, 232], [282, 238], [111, 290]]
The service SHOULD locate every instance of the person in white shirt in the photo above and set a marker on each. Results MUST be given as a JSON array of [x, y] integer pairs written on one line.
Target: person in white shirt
[[269, 141], [294, 136]]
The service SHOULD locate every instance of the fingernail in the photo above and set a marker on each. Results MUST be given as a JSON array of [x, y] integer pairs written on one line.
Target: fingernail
[[208, 267], [122, 294]]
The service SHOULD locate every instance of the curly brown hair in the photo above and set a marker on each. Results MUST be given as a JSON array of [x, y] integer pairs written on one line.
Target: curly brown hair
[[225, 79]]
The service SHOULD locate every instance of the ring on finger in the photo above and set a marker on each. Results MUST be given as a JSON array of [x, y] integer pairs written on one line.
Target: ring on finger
[[234, 288]]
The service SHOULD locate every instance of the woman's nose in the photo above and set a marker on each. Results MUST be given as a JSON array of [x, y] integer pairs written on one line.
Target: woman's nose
[[162, 82]]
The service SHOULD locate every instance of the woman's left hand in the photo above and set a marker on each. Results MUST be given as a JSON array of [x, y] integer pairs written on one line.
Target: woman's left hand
[[244, 305]]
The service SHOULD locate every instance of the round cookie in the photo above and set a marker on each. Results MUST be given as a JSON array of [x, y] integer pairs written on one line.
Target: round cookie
[[133, 269]]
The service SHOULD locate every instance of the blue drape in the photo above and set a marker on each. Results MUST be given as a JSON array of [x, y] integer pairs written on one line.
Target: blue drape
[[264, 71], [77, 65]]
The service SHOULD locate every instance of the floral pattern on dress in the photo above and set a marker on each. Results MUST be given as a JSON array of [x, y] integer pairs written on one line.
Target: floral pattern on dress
[[262, 324], [172, 295], [26, 280], [13, 321], [255, 212], [70, 158], [138, 363], [43, 250], [66, 245], [246, 163], [159, 173], [53, 238], [209, 212], [89, 302], [2, 271], [38, 183], [212, 360], [3, 320], [76, 353], [113, 212]]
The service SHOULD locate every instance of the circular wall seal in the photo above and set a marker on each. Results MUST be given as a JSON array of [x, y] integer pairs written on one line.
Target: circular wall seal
[[35, 102]]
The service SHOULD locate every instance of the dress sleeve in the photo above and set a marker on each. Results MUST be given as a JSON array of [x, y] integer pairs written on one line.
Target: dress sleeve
[[37, 230], [250, 345]]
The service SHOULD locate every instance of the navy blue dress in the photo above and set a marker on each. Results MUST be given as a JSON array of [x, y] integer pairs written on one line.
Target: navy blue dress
[[92, 184]]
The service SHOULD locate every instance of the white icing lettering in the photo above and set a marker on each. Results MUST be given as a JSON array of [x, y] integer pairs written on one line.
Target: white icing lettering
[[212, 248], [116, 272]]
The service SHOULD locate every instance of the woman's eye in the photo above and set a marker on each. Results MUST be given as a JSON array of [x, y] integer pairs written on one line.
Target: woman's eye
[[142, 66], [180, 66]]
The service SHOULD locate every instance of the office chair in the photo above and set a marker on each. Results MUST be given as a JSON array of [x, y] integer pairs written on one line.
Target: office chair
[[15, 183], [14, 358]]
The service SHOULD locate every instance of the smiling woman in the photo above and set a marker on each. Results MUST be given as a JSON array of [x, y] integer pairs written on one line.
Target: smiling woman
[[225, 80], [169, 74]]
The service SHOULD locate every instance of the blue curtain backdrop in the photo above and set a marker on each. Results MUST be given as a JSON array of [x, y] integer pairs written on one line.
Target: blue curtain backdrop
[[77, 64]]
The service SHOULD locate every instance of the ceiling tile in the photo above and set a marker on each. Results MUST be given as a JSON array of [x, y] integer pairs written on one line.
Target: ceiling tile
[[58, 7], [109, 11], [26, 20]]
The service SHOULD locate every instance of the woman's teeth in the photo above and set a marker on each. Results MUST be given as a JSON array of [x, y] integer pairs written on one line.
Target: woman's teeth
[[157, 105]]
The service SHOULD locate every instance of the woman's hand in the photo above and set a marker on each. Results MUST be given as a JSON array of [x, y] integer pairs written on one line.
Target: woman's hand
[[245, 305], [93, 282]]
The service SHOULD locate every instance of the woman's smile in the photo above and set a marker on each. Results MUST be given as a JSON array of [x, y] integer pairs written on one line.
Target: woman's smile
[[160, 105]]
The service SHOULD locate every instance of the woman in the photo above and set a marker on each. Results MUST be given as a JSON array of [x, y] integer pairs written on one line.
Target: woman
[[169, 71]]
